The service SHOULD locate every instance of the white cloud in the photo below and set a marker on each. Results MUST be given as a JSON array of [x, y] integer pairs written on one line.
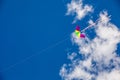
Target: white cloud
[[71, 57], [77, 9], [100, 59], [113, 75]]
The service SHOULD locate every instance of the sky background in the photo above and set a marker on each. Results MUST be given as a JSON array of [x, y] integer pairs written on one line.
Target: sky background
[[29, 26]]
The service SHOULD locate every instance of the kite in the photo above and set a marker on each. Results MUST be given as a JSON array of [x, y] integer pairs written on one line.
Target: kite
[[78, 33]]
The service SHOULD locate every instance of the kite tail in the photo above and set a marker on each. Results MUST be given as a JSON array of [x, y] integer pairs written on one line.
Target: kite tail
[[89, 26]]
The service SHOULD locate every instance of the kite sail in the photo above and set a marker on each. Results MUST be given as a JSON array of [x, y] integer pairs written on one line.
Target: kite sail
[[78, 33]]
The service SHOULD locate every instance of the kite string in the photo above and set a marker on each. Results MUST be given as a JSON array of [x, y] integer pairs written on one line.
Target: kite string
[[51, 46], [29, 57]]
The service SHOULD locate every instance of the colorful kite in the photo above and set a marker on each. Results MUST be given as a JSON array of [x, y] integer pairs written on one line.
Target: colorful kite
[[78, 33]]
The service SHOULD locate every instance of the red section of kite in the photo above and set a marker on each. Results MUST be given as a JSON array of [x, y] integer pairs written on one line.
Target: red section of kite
[[82, 35], [77, 28]]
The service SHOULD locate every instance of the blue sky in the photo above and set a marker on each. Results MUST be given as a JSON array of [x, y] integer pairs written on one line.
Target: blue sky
[[29, 26]]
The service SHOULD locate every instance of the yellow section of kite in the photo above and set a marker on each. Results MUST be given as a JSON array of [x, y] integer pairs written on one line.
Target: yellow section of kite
[[77, 33]]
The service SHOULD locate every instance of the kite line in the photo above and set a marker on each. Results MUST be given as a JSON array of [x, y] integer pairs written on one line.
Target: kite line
[[33, 55], [43, 50]]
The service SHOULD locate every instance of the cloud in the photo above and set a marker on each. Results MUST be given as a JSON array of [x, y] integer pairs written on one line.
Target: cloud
[[100, 60], [77, 9], [113, 75]]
